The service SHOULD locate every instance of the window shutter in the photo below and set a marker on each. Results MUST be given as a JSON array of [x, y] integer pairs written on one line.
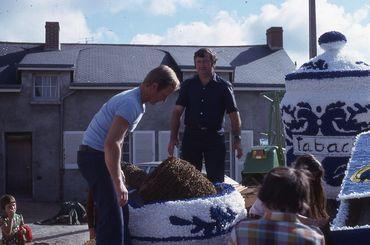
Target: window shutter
[[163, 139], [143, 146], [71, 142], [247, 143]]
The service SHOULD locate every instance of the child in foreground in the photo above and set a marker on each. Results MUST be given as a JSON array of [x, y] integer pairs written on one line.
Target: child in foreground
[[13, 229]]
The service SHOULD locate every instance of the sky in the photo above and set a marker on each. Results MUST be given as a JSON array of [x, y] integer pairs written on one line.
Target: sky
[[188, 22]]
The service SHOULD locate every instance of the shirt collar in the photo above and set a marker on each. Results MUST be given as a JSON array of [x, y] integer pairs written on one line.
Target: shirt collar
[[213, 78], [280, 216]]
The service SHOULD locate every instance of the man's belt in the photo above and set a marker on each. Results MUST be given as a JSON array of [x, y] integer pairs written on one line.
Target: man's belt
[[203, 129], [86, 148]]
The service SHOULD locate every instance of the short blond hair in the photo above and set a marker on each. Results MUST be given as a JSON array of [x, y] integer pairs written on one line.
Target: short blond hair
[[164, 76]]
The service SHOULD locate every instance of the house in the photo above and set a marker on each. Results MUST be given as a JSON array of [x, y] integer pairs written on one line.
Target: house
[[50, 91]]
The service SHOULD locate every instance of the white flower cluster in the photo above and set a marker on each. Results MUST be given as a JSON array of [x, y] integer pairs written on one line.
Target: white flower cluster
[[152, 222]]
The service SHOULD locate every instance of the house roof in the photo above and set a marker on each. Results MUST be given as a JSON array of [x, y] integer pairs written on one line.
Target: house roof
[[112, 65], [254, 65], [10, 56]]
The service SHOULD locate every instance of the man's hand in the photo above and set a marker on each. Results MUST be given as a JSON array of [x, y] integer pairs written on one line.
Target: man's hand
[[175, 124], [238, 149], [92, 233], [235, 129], [122, 193], [171, 146]]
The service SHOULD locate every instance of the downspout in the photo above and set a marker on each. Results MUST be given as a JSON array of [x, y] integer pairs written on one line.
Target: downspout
[[61, 149]]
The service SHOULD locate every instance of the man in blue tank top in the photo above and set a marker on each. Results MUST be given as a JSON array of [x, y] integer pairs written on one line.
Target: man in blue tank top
[[99, 156]]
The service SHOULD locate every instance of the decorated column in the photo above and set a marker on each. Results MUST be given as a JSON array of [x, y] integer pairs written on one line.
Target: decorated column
[[327, 103]]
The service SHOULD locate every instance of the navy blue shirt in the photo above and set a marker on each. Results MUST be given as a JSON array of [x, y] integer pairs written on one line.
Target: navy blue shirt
[[205, 106]]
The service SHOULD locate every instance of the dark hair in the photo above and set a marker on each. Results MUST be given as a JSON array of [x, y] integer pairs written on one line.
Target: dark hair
[[202, 53], [317, 195], [5, 200], [285, 189], [164, 76]]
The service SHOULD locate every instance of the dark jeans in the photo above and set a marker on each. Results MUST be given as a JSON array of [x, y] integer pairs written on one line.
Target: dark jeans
[[110, 227], [210, 145]]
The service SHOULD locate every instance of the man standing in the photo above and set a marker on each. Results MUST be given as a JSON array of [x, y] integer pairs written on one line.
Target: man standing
[[99, 157], [205, 98]]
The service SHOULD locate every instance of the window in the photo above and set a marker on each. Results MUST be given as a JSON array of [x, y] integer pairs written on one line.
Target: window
[[163, 139], [126, 149], [228, 163], [46, 87], [71, 142], [73, 139], [143, 145], [247, 143]]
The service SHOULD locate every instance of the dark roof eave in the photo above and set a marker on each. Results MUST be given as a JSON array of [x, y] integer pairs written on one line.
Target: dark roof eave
[[92, 85], [186, 67], [258, 85], [10, 87], [70, 66]]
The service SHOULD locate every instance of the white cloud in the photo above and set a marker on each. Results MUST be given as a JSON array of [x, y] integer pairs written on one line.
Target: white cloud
[[292, 15], [24, 21], [219, 32], [163, 7], [147, 39], [169, 7], [105, 35], [156, 7]]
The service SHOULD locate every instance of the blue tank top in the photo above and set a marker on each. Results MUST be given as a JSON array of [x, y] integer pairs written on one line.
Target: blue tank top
[[126, 104]]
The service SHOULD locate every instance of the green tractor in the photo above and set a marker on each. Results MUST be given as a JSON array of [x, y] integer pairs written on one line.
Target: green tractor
[[270, 153]]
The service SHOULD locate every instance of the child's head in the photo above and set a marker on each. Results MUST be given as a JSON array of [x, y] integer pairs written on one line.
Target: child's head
[[311, 164], [317, 195], [7, 203], [285, 190]]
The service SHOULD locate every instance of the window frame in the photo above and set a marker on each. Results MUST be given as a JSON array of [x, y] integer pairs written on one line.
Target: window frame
[[49, 77]]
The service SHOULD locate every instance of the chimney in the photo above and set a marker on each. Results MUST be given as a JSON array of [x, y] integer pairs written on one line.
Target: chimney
[[274, 38], [52, 36]]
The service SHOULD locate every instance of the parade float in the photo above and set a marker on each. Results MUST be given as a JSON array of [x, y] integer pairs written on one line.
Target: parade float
[[352, 222], [180, 206], [325, 106]]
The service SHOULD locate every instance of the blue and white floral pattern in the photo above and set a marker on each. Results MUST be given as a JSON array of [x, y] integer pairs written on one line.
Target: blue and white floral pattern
[[326, 105], [198, 220], [324, 125], [332, 63]]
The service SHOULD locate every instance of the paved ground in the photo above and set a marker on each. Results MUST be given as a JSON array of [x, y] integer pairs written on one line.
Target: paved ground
[[50, 234]]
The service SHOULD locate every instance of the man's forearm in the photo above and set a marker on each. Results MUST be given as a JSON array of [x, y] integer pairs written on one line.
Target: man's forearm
[[175, 124], [112, 154], [235, 123]]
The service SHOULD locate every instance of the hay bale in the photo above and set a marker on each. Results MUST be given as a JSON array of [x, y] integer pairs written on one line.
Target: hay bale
[[175, 179], [134, 176]]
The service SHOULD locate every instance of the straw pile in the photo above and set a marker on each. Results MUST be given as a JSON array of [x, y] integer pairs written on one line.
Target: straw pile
[[175, 179], [134, 176]]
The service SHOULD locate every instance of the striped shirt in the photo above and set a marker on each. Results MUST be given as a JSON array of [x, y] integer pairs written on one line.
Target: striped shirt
[[275, 228]]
